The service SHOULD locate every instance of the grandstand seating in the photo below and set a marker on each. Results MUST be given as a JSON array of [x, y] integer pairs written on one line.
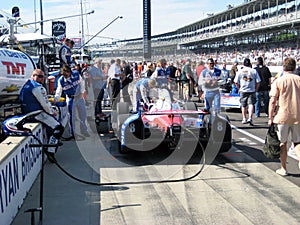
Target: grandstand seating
[[230, 33]]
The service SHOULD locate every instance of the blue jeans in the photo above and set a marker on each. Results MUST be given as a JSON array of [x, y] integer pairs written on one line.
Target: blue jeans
[[266, 98], [212, 97]]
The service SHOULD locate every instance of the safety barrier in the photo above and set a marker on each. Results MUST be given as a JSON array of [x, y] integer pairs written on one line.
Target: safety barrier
[[19, 167]]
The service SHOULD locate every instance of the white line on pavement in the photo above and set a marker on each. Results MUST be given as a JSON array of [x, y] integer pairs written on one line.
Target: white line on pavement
[[290, 153], [248, 134]]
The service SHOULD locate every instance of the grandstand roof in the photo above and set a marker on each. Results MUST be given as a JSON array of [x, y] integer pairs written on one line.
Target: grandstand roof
[[238, 11]]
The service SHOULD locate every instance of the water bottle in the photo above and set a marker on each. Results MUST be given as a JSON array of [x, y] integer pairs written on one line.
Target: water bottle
[[199, 122]]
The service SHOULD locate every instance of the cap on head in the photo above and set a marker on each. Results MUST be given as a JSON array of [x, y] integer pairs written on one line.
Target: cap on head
[[247, 62], [210, 60], [260, 60]]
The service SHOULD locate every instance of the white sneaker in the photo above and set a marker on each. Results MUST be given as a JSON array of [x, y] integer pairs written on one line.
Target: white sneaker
[[281, 172], [250, 121], [299, 165], [244, 121]]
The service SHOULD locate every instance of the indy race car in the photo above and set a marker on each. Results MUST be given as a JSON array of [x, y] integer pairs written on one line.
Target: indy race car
[[170, 125]]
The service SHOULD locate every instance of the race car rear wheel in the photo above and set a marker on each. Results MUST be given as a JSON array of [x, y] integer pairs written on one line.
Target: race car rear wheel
[[190, 106], [222, 129], [122, 149]]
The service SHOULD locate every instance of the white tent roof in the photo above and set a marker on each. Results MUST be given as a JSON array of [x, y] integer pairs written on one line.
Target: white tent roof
[[29, 39]]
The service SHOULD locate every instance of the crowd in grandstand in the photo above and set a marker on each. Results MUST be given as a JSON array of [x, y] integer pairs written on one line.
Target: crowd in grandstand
[[272, 57]]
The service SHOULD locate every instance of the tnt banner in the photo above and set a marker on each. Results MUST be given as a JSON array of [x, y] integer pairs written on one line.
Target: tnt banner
[[59, 30]]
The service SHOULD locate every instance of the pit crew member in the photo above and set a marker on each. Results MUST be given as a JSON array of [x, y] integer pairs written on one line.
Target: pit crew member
[[141, 91], [71, 84], [33, 97]]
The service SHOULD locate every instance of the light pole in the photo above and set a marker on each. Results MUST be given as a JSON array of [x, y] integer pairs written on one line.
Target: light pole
[[11, 39], [84, 44], [42, 22], [82, 30], [105, 37]]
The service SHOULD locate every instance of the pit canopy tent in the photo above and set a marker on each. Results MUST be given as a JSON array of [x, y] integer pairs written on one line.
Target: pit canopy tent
[[43, 46]]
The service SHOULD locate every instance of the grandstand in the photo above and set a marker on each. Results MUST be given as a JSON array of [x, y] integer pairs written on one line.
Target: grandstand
[[259, 27]]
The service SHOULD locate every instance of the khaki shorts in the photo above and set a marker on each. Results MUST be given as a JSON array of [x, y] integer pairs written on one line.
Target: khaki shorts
[[285, 129], [186, 89]]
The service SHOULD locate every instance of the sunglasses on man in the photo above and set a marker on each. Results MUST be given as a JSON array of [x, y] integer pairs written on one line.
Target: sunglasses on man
[[38, 75]]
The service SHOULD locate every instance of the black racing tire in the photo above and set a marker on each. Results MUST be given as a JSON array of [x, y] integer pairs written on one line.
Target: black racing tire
[[225, 147], [190, 106], [224, 116], [227, 138], [122, 149]]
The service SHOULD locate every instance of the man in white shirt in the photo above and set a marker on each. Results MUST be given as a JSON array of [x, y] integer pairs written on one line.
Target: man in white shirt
[[248, 81], [116, 75]]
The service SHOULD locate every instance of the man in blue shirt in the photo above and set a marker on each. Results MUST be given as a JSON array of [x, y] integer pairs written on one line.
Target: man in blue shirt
[[65, 53], [209, 81], [72, 86], [97, 77], [141, 92], [161, 73], [33, 97]]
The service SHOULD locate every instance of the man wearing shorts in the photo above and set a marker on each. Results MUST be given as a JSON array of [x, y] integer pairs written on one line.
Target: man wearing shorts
[[284, 110], [185, 77], [247, 80]]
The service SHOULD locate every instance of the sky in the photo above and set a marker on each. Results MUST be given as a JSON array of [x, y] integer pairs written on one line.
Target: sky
[[167, 15]]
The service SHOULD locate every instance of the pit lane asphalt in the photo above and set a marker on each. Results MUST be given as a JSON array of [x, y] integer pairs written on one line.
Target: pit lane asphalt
[[239, 187]]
